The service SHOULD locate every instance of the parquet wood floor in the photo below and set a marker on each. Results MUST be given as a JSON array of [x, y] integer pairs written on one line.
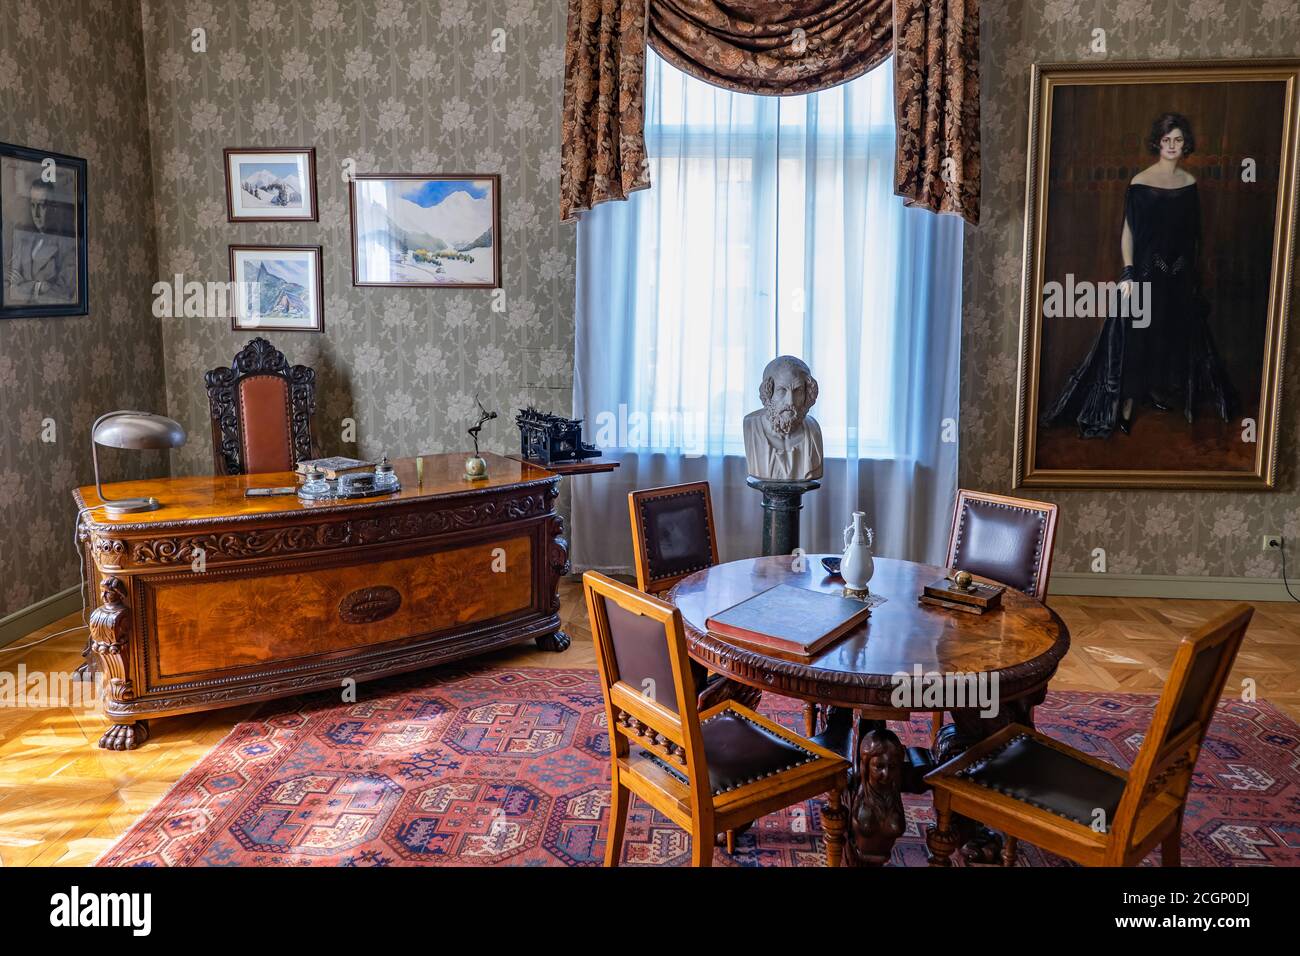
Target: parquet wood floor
[[63, 801]]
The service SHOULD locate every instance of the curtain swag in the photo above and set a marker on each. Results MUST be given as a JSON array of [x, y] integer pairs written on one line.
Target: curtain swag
[[757, 46]]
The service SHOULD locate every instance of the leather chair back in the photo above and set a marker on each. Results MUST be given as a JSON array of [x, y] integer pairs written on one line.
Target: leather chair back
[[1006, 539], [673, 534], [262, 412], [1165, 762], [645, 675]]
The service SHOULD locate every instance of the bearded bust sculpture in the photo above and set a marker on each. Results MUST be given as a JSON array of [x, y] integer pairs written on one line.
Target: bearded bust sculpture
[[782, 441]]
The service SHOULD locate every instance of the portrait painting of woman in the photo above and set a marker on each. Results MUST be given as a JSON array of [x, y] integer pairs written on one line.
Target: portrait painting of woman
[[1160, 217]]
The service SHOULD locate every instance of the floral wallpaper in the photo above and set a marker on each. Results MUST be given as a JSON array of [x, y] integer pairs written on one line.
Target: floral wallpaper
[[375, 86], [72, 81], [470, 87], [1143, 532]]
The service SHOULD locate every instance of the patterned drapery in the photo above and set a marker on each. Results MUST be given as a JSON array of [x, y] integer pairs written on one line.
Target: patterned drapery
[[754, 46], [602, 152], [937, 105]]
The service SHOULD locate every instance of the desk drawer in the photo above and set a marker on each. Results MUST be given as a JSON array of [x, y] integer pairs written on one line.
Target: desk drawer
[[215, 622]]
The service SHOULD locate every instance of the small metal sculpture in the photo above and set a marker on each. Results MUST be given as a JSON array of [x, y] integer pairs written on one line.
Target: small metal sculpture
[[476, 467]]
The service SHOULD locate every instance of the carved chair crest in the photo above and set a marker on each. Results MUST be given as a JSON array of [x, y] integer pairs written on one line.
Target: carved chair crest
[[258, 358]]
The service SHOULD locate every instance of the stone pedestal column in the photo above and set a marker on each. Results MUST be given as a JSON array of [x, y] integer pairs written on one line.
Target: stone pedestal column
[[782, 502]]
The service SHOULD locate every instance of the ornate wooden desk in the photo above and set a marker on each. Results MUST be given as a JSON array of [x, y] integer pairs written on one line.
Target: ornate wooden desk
[[216, 599], [1022, 644]]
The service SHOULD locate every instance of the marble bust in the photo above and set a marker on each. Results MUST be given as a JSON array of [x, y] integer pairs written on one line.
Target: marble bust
[[782, 441]]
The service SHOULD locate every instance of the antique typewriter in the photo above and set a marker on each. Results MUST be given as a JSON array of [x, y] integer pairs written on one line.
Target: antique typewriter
[[550, 439]]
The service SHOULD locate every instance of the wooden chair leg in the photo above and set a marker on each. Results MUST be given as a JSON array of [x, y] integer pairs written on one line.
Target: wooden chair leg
[[1008, 850], [810, 720], [702, 837], [941, 838], [936, 725], [834, 820], [1171, 848], [620, 798], [731, 842]]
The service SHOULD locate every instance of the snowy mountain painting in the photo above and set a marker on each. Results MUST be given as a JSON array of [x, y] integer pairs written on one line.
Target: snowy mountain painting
[[270, 185], [426, 231], [278, 287]]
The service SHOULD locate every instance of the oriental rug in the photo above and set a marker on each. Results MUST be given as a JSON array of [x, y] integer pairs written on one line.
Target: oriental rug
[[508, 766]]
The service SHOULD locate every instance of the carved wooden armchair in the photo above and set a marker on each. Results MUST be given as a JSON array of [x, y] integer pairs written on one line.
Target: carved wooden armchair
[[1038, 789], [262, 410], [707, 771]]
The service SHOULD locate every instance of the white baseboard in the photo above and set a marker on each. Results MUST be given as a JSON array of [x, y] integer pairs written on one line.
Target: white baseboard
[[1170, 586], [23, 622]]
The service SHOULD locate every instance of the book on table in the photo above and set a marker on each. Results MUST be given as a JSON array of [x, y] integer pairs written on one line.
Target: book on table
[[789, 620], [979, 595], [334, 466]]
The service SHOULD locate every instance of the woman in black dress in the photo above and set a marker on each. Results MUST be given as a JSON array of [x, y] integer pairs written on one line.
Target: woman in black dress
[[1173, 358]]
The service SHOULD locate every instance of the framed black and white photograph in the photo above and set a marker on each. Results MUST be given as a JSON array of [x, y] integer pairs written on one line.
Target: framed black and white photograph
[[277, 288], [42, 233], [426, 231], [270, 185]]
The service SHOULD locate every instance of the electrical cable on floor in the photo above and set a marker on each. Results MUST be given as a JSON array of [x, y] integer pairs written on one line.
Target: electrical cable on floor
[[81, 567], [1285, 582]]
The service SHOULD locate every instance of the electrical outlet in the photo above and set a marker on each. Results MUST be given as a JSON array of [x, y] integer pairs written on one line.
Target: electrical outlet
[[1271, 542]]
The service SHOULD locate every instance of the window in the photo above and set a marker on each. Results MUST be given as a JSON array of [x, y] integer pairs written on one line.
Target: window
[[765, 208]]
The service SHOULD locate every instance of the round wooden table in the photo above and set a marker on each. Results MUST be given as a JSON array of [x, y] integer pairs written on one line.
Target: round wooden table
[[1009, 654]]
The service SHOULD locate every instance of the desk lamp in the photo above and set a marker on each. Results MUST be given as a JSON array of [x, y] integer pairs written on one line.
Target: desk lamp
[[127, 429]]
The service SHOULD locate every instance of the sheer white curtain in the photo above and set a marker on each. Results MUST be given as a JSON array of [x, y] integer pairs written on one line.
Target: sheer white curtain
[[771, 228]]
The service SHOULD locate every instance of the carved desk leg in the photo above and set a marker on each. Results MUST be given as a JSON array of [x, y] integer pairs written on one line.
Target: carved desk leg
[[556, 642], [557, 559], [86, 670], [110, 633], [876, 819]]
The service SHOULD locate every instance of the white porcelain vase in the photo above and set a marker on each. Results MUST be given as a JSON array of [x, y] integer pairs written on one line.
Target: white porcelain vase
[[857, 565]]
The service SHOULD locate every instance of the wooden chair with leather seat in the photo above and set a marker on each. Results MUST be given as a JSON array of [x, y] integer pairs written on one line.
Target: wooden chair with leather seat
[[1067, 802], [706, 771], [262, 411], [1008, 540], [673, 536]]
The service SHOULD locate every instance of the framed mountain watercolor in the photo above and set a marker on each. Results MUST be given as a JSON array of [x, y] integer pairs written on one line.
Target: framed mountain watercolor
[[270, 185], [426, 231], [277, 288]]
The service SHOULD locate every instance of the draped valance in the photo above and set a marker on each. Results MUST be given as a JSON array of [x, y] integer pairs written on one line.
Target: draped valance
[[770, 48]]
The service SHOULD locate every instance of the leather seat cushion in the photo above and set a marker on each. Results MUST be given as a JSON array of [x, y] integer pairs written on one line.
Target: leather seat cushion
[[1046, 778], [739, 751]]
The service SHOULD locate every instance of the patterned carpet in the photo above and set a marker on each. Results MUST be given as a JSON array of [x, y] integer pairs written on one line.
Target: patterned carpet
[[483, 767]]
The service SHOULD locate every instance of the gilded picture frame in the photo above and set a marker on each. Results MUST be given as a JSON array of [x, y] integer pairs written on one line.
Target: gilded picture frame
[[1159, 240]]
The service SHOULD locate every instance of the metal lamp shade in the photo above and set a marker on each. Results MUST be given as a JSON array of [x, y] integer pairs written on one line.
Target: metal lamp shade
[[136, 430]]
